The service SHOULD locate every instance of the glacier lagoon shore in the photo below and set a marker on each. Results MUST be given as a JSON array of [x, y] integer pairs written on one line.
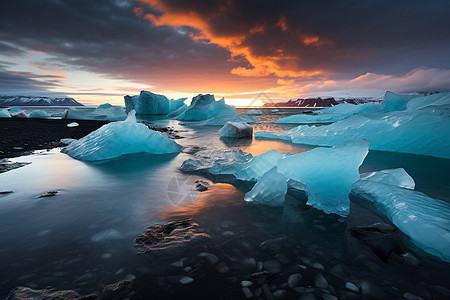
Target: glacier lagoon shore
[[82, 239]]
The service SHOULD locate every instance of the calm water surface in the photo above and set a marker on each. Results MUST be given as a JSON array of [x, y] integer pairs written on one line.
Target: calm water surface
[[82, 239]]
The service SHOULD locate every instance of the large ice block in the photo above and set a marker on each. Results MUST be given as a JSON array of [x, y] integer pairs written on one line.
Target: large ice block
[[423, 219], [204, 107], [4, 113], [236, 130], [327, 173], [39, 114], [270, 189], [259, 165], [148, 103], [120, 138], [397, 177]]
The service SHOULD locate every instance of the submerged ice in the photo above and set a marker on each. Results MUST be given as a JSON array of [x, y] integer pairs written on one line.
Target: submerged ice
[[120, 138]]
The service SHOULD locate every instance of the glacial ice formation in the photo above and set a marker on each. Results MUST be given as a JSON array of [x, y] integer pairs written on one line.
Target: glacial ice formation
[[39, 114], [397, 177], [204, 107], [327, 173], [4, 113], [421, 129], [148, 103], [270, 189], [216, 162], [259, 165], [254, 112], [104, 112], [423, 219], [120, 138], [236, 130], [17, 112]]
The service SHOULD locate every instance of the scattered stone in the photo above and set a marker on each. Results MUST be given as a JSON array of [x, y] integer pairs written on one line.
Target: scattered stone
[[177, 264], [309, 296], [408, 259], [321, 282], [273, 266], [267, 292], [248, 263], [211, 258], [186, 280], [351, 287], [222, 267], [201, 185], [263, 277], [275, 245], [329, 297], [294, 280], [279, 294], [117, 290], [411, 296], [317, 266], [130, 277], [228, 233], [283, 259], [247, 292], [306, 260], [170, 240], [6, 192], [49, 194], [246, 283], [106, 256], [118, 272], [25, 293], [187, 269]]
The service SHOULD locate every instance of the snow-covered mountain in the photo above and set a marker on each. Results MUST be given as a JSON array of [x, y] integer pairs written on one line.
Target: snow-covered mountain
[[310, 102], [37, 101]]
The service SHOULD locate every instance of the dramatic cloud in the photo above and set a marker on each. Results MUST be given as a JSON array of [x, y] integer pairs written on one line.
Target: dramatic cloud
[[285, 48]]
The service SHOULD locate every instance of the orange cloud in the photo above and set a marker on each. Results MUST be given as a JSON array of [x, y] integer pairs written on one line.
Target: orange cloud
[[261, 66]]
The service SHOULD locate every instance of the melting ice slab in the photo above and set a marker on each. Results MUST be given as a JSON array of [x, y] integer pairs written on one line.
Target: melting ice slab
[[270, 189], [423, 219], [120, 138], [327, 173]]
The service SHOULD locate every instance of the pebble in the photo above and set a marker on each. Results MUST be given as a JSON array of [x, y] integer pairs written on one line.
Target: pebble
[[246, 283], [411, 296], [211, 258], [279, 293], [248, 263], [222, 267], [177, 264], [120, 271], [247, 292], [294, 280], [267, 292], [187, 269], [106, 256], [273, 266], [228, 233], [329, 297], [321, 282], [283, 259], [308, 297], [130, 277], [317, 266], [306, 260], [351, 287], [303, 267], [186, 280]]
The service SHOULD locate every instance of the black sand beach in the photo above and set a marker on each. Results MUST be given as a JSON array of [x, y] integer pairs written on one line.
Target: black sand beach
[[22, 136]]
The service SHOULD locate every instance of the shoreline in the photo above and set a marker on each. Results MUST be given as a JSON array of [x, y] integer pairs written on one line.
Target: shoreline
[[19, 137]]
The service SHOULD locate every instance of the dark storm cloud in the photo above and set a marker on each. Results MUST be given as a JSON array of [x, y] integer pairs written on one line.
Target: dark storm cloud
[[20, 82], [384, 36]]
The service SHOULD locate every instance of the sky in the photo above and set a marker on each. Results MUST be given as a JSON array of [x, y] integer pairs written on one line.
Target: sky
[[248, 51]]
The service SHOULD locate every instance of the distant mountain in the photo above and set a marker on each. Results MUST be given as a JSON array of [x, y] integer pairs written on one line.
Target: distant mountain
[[37, 101], [310, 102]]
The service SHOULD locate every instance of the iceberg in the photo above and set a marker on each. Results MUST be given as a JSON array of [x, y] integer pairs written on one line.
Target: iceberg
[[120, 138], [424, 131], [17, 112], [397, 177], [423, 219], [216, 162], [148, 103], [178, 111], [259, 165], [204, 107], [4, 113], [39, 114], [394, 102], [104, 112], [254, 112], [236, 130], [327, 173], [270, 189]]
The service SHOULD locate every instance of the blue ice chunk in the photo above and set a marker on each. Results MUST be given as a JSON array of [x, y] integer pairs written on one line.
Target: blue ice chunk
[[119, 138], [270, 189], [204, 107]]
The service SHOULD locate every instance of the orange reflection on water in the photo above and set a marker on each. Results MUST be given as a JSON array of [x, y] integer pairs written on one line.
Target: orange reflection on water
[[219, 195]]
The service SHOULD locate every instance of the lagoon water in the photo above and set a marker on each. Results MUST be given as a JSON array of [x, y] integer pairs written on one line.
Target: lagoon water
[[82, 238]]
